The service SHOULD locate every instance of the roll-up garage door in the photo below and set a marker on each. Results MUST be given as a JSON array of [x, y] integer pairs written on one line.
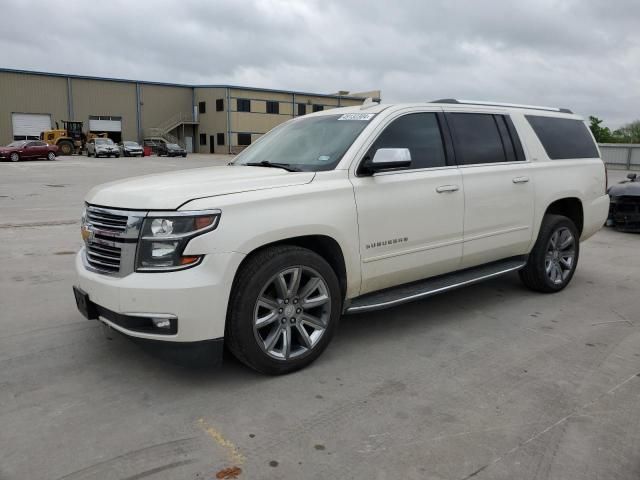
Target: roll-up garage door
[[27, 126], [105, 124]]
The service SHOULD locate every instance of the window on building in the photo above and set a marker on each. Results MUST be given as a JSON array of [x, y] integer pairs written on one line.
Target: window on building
[[203, 139], [563, 138], [273, 107], [244, 139], [243, 104], [219, 105], [202, 107], [220, 138], [420, 133], [302, 109], [476, 138], [318, 108]]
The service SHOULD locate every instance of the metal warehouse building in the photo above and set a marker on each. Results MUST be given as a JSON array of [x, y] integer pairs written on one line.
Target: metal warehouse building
[[203, 118]]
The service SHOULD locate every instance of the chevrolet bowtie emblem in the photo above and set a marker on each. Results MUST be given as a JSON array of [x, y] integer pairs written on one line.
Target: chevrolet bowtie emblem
[[85, 233]]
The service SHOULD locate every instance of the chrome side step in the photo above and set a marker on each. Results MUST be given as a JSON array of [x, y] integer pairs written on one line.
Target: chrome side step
[[408, 292]]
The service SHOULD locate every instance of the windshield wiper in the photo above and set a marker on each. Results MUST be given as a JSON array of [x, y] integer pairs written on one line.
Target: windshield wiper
[[266, 163]]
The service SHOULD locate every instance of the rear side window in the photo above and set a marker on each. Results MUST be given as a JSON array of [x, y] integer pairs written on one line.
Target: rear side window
[[477, 138], [563, 138], [420, 133]]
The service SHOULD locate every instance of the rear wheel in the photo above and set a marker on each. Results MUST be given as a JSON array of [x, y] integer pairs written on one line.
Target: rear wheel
[[284, 308], [51, 156], [66, 148], [554, 257], [14, 157]]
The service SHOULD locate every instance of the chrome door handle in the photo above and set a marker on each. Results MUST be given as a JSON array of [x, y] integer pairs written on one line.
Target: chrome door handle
[[521, 180], [447, 188]]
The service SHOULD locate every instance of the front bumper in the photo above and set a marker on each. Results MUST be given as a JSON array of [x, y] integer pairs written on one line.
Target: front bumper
[[197, 298], [624, 213]]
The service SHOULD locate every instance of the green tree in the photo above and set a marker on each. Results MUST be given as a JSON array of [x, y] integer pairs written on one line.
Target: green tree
[[629, 133], [602, 134]]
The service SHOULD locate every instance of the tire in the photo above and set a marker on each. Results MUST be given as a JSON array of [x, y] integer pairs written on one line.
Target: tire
[[285, 315], [66, 148], [51, 156], [14, 157], [184, 156], [550, 267], [117, 156]]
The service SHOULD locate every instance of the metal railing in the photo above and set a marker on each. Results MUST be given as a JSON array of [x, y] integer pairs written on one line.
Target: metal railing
[[170, 124], [621, 155]]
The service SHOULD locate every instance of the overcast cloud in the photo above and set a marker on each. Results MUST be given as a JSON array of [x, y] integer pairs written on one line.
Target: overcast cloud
[[582, 54]]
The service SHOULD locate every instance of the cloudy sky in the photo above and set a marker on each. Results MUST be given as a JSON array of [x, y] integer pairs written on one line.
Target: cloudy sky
[[582, 54]]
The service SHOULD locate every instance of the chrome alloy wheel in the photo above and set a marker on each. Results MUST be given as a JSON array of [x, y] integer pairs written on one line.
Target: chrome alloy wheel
[[560, 255], [292, 312]]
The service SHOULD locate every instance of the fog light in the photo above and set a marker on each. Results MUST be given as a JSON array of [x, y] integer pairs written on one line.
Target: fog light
[[161, 322]]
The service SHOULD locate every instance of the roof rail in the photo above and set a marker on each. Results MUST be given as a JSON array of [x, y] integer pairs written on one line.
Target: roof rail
[[498, 104]]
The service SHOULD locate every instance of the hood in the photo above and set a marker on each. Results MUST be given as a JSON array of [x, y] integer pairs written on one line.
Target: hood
[[8, 149], [626, 188], [167, 191]]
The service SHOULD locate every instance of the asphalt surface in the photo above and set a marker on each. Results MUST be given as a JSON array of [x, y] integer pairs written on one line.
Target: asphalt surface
[[488, 382]]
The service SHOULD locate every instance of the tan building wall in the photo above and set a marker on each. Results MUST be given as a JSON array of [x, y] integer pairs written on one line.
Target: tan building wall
[[28, 93], [160, 103], [102, 98], [212, 122]]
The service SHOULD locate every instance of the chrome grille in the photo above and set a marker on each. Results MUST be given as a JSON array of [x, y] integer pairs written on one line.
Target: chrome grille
[[111, 238]]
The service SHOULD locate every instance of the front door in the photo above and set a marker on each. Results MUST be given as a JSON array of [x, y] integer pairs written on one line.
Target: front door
[[498, 187], [410, 221]]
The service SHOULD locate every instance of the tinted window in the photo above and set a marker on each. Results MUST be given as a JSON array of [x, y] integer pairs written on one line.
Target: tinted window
[[220, 138], [273, 107], [244, 139], [563, 138], [202, 107], [420, 133], [318, 108], [244, 105], [203, 139], [219, 105], [476, 138]]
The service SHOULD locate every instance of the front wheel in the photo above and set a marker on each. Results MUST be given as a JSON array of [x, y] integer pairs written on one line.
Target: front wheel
[[51, 156], [554, 257], [14, 157], [285, 306]]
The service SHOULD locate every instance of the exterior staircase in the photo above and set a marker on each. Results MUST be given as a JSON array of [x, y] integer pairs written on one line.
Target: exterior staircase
[[164, 130]]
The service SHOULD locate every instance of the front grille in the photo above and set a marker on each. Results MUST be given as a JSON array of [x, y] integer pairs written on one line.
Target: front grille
[[107, 222], [111, 239], [625, 213], [103, 257]]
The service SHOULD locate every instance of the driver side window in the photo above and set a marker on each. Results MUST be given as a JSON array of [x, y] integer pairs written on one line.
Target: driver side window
[[420, 133]]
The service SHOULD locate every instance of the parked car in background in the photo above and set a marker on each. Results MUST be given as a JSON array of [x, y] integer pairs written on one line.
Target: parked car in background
[[171, 150], [155, 144], [28, 150], [102, 147], [130, 149], [624, 210], [341, 211]]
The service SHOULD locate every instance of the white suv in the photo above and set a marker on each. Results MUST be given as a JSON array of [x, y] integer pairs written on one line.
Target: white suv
[[341, 211]]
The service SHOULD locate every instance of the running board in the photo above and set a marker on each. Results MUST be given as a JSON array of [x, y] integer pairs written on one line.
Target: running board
[[409, 292]]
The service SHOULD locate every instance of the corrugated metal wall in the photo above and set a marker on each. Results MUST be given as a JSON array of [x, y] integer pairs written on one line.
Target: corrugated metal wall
[[625, 155]]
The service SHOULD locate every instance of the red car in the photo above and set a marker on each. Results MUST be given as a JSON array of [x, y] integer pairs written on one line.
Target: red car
[[28, 149]]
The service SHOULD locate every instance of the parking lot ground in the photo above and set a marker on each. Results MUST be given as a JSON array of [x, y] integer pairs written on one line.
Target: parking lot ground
[[488, 382]]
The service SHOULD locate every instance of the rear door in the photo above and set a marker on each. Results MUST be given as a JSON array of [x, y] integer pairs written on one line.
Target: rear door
[[410, 221], [498, 187]]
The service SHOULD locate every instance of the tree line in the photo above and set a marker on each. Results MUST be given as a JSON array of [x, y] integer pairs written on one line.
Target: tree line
[[629, 133]]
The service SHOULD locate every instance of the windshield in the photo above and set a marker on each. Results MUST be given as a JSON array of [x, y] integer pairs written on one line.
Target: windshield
[[17, 144], [173, 145], [104, 141], [309, 144], [130, 144]]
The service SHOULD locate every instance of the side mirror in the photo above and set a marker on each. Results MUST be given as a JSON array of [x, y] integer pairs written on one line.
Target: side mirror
[[388, 159], [632, 176]]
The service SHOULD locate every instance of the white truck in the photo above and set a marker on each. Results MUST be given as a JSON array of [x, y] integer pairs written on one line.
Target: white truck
[[341, 211]]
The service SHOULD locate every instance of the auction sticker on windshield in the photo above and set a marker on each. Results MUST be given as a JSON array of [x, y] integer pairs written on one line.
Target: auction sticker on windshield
[[357, 116]]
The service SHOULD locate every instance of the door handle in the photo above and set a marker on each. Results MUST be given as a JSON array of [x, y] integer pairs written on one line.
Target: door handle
[[447, 188], [520, 179]]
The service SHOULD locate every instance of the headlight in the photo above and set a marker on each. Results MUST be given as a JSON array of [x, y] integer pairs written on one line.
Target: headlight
[[165, 236]]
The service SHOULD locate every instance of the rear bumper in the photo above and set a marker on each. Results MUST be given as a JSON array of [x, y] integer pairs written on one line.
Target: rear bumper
[[196, 298]]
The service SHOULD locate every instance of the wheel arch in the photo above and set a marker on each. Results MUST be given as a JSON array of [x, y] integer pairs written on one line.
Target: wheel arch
[[325, 246], [570, 207]]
